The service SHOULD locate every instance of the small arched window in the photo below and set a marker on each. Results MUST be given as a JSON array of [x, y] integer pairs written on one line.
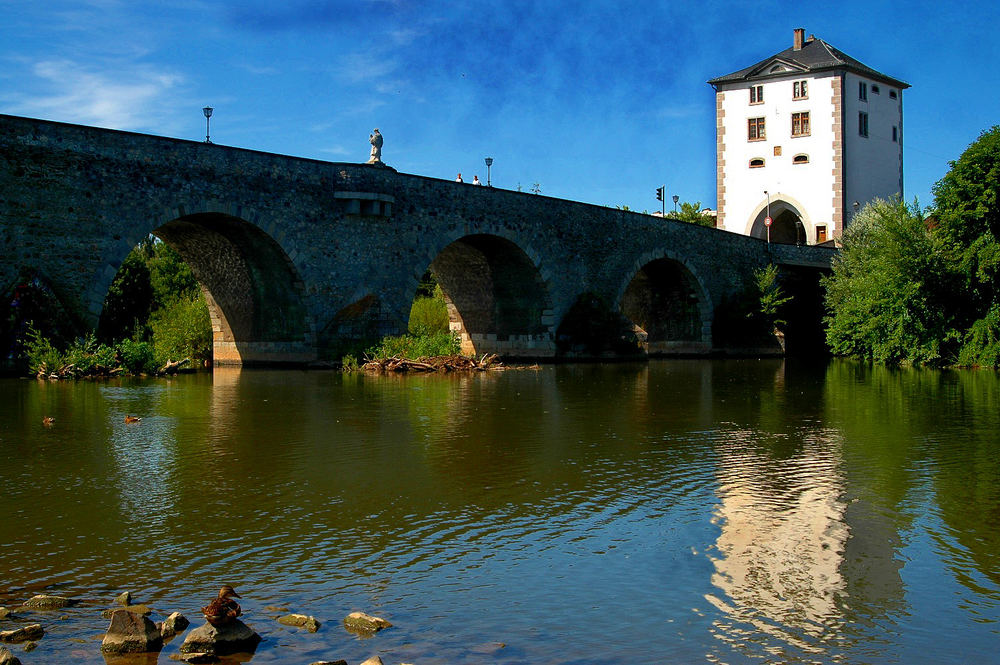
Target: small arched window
[[757, 162], [800, 159]]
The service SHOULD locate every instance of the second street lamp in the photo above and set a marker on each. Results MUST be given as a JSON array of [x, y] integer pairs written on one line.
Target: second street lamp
[[208, 114], [489, 163]]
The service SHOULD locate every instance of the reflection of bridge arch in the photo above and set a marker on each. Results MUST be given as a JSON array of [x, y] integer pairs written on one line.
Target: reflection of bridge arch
[[497, 299], [668, 305], [791, 225], [254, 294]]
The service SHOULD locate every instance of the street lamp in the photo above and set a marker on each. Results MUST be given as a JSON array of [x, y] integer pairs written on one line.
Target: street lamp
[[489, 163], [767, 220], [675, 198], [208, 114]]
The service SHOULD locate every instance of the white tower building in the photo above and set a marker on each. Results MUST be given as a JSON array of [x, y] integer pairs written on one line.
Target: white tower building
[[805, 137]]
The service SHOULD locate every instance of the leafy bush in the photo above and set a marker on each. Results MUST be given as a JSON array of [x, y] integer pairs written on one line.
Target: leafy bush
[[429, 316], [981, 346], [136, 357], [43, 357], [415, 347], [772, 297], [888, 293], [182, 329]]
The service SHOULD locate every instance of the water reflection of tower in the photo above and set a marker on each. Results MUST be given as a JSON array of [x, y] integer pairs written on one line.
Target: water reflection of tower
[[781, 545]]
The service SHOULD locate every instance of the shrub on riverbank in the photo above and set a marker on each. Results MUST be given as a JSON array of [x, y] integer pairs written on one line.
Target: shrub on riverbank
[[85, 357], [416, 346], [915, 290]]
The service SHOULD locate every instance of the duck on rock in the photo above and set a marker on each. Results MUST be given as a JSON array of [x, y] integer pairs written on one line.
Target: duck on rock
[[223, 609]]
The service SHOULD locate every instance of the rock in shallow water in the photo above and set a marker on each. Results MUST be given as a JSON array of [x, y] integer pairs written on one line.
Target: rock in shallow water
[[234, 637], [301, 620], [131, 633], [46, 602], [7, 658], [142, 610], [359, 622], [173, 624], [31, 632]]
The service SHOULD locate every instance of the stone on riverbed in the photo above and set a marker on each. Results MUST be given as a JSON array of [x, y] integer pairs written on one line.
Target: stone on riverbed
[[46, 602], [301, 620], [173, 624], [124, 598], [7, 658], [141, 610], [131, 633], [200, 657], [374, 660], [31, 632], [234, 637], [359, 622]]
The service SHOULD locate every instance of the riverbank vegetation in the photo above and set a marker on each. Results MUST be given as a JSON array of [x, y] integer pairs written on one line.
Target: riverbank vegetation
[[924, 289], [155, 320], [428, 335]]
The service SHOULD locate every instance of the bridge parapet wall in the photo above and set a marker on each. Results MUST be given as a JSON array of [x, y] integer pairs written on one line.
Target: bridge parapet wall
[[306, 239]]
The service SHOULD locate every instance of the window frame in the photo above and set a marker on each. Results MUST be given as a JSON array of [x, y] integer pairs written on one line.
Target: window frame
[[863, 91], [802, 119], [800, 89], [863, 124], [801, 158], [762, 164], [895, 134], [756, 129], [756, 94]]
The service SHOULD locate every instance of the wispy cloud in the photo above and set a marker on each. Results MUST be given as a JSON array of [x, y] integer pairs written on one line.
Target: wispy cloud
[[138, 98]]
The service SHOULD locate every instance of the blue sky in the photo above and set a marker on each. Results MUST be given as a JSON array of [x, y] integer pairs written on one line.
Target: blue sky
[[596, 101]]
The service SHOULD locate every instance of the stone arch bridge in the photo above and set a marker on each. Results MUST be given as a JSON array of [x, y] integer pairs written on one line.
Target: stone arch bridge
[[300, 258]]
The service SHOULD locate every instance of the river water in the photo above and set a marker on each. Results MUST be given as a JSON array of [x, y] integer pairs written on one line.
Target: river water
[[686, 511]]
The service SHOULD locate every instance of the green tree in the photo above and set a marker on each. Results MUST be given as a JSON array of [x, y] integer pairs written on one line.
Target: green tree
[[888, 293], [771, 294], [129, 301], [967, 210], [691, 213]]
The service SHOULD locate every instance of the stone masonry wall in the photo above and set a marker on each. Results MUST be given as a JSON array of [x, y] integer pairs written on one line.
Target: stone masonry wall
[[315, 237]]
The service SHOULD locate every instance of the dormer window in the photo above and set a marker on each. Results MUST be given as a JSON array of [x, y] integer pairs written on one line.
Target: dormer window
[[799, 90], [757, 162], [756, 94]]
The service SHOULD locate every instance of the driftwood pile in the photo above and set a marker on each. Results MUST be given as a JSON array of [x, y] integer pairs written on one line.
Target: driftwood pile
[[71, 371], [455, 363]]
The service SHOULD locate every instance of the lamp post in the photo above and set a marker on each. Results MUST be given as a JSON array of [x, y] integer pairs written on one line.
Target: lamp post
[[675, 198], [208, 114], [767, 220], [489, 163]]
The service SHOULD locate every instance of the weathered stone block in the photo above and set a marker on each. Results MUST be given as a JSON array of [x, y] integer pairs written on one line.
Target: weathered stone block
[[131, 633]]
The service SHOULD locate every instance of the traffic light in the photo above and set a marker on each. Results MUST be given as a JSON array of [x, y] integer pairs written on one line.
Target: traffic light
[[659, 193]]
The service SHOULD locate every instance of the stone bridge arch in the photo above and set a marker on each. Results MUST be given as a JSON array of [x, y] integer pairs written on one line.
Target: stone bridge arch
[[498, 300], [668, 304], [254, 293]]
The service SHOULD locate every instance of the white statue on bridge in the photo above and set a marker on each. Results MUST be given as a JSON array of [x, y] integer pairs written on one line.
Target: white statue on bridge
[[375, 139]]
